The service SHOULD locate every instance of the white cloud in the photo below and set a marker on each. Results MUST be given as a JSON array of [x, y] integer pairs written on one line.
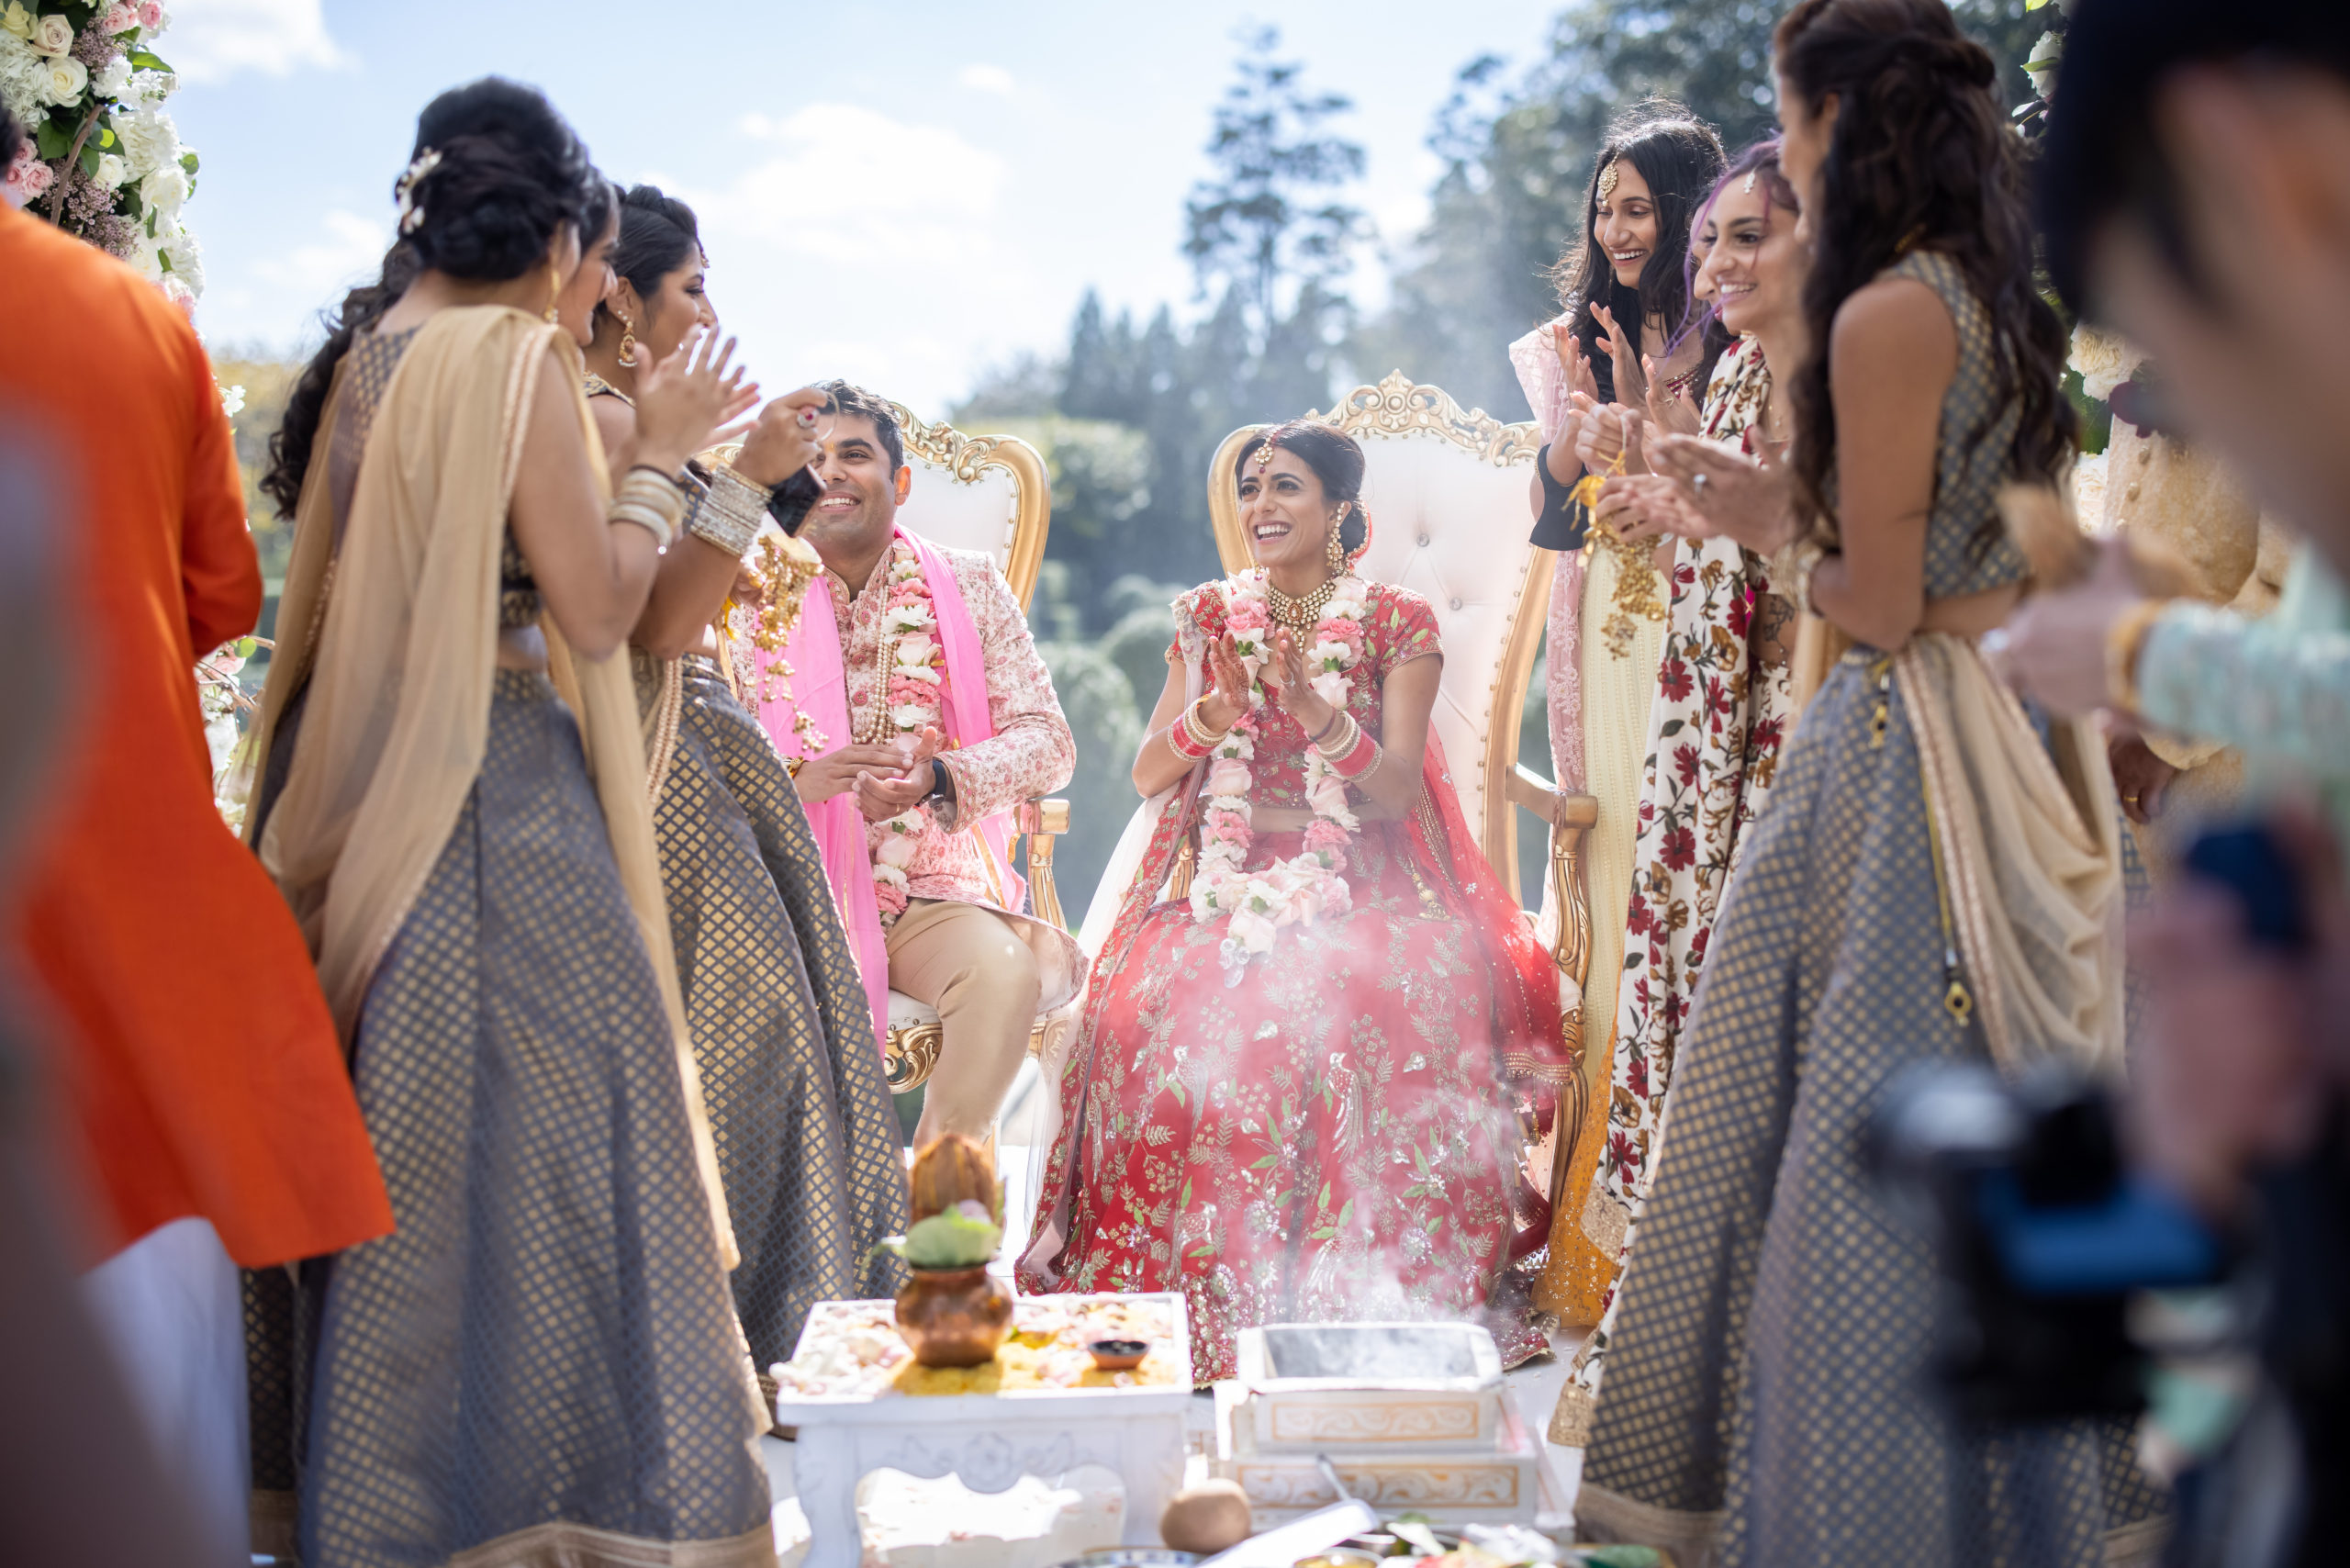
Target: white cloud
[[987, 79], [349, 255], [210, 40], [849, 243]]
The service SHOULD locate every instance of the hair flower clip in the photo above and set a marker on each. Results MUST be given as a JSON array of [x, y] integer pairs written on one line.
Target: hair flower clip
[[412, 214]]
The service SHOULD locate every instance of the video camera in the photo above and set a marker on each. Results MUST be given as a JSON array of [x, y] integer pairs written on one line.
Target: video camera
[[2047, 1243]]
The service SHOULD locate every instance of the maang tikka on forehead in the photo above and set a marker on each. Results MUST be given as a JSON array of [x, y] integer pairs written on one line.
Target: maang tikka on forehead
[[1607, 178], [1265, 453]]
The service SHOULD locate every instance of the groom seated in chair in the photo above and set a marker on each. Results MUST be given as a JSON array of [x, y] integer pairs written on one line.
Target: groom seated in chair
[[935, 717]]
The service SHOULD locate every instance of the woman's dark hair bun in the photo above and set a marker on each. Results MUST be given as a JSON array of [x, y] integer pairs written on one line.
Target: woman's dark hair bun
[[510, 173], [658, 235]]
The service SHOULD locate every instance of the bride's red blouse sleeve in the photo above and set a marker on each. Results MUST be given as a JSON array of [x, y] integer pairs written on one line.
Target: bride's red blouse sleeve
[[1403, 627], [1204, 605]]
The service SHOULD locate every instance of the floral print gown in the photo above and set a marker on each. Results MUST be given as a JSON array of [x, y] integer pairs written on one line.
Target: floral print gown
[[1328, 1136]]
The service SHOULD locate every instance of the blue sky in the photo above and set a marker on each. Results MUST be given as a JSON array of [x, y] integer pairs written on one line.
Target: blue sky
[[903, 195]]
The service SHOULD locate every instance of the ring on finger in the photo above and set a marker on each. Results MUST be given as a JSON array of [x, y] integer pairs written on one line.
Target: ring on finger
[[1697, 483]]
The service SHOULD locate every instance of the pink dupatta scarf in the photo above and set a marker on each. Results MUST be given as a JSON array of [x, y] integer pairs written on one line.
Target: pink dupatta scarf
[[819, 687], [1536, 360]]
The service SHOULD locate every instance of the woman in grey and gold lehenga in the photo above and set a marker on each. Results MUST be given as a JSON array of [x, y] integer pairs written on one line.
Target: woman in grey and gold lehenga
[[808, 1142], [1927, 882], [541, 1365]]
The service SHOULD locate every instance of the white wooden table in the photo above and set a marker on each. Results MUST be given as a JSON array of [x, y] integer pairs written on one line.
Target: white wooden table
[[987, 1440]]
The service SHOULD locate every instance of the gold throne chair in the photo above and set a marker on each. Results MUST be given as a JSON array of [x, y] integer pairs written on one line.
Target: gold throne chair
[[1446, 491], [986, 493]]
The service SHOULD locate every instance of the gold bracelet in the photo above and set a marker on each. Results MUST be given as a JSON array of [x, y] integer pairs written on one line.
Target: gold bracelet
[[2124, 641]]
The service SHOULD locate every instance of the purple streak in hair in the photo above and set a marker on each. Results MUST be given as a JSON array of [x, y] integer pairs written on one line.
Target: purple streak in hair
[[1760, 162]]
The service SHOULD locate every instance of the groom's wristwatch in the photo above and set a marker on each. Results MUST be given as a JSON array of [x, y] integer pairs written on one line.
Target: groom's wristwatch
[[941, 798]]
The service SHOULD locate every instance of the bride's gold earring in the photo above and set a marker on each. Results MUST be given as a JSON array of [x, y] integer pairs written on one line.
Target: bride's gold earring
[[1334, 550], [555, 292], [628, 343]]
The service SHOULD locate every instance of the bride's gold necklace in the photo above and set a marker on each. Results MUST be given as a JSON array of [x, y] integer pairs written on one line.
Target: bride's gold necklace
[[1299, 614]]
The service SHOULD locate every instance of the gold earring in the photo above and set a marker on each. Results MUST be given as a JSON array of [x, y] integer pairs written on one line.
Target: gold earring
[[554, 291], [628, 343], [1333, 549]]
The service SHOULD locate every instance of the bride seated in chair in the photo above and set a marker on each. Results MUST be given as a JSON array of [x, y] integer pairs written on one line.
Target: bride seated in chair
[[1292, 1094]]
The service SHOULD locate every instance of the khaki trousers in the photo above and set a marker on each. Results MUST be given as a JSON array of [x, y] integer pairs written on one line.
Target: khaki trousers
[[970, 965]]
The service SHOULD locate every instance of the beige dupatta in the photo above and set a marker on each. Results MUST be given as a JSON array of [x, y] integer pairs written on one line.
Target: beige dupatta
[[401, 660], [2029, 847]]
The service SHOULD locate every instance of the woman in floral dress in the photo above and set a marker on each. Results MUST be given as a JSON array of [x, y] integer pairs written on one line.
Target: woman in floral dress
[[1720, 713], [1291, 1097]]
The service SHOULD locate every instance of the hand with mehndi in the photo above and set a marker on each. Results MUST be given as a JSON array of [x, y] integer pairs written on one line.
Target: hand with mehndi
[[1290, 681], [1222, 706]]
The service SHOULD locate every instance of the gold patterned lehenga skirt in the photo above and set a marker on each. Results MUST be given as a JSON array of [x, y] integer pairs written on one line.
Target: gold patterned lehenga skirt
[[808, 1144], [1768, 1397], [541, 1364]]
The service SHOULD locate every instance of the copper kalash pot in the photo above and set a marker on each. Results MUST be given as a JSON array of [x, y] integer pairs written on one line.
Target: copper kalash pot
[[954, 1318]]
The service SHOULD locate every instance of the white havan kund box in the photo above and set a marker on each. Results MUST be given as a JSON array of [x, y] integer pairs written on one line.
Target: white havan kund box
[[990, 1441], [1412, 1417]]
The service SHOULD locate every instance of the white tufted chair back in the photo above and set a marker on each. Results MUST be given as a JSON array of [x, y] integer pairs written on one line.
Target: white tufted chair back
[[1446, 493], [979, 492]]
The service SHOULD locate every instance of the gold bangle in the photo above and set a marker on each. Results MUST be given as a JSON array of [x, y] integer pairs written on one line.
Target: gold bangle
[[1197, 728], [2124, 641]]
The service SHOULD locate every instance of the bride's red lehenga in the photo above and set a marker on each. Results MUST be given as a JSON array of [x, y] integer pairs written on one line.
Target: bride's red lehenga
[[1332, 1136]]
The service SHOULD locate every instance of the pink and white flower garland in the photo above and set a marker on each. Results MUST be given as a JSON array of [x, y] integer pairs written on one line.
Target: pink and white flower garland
[[1302, 888], [913, 697]]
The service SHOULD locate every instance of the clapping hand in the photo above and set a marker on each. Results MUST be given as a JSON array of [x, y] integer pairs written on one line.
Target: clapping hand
[[1583, 393], [1649, 506], [1608, 439], [883, 795], [1749, 500], [688, 401], [1631, 380], [1288, 677], [1223, 707]]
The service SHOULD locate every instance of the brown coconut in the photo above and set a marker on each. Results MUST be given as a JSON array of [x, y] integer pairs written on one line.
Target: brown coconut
[[950, 1170], [1210, 1517]]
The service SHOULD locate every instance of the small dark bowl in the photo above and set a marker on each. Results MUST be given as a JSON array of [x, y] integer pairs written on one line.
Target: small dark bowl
[[1119, 1355]]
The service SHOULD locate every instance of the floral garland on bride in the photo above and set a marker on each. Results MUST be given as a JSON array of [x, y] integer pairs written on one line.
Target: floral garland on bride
[[1300, 889], [912, 699]]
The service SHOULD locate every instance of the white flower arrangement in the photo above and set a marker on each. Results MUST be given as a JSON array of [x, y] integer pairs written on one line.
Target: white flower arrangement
[[2104, 361], [102, 159]]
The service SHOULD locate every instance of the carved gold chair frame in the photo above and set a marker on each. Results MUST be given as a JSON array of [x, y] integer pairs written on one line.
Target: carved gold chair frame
[[911, 1046], [1399, 409]]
